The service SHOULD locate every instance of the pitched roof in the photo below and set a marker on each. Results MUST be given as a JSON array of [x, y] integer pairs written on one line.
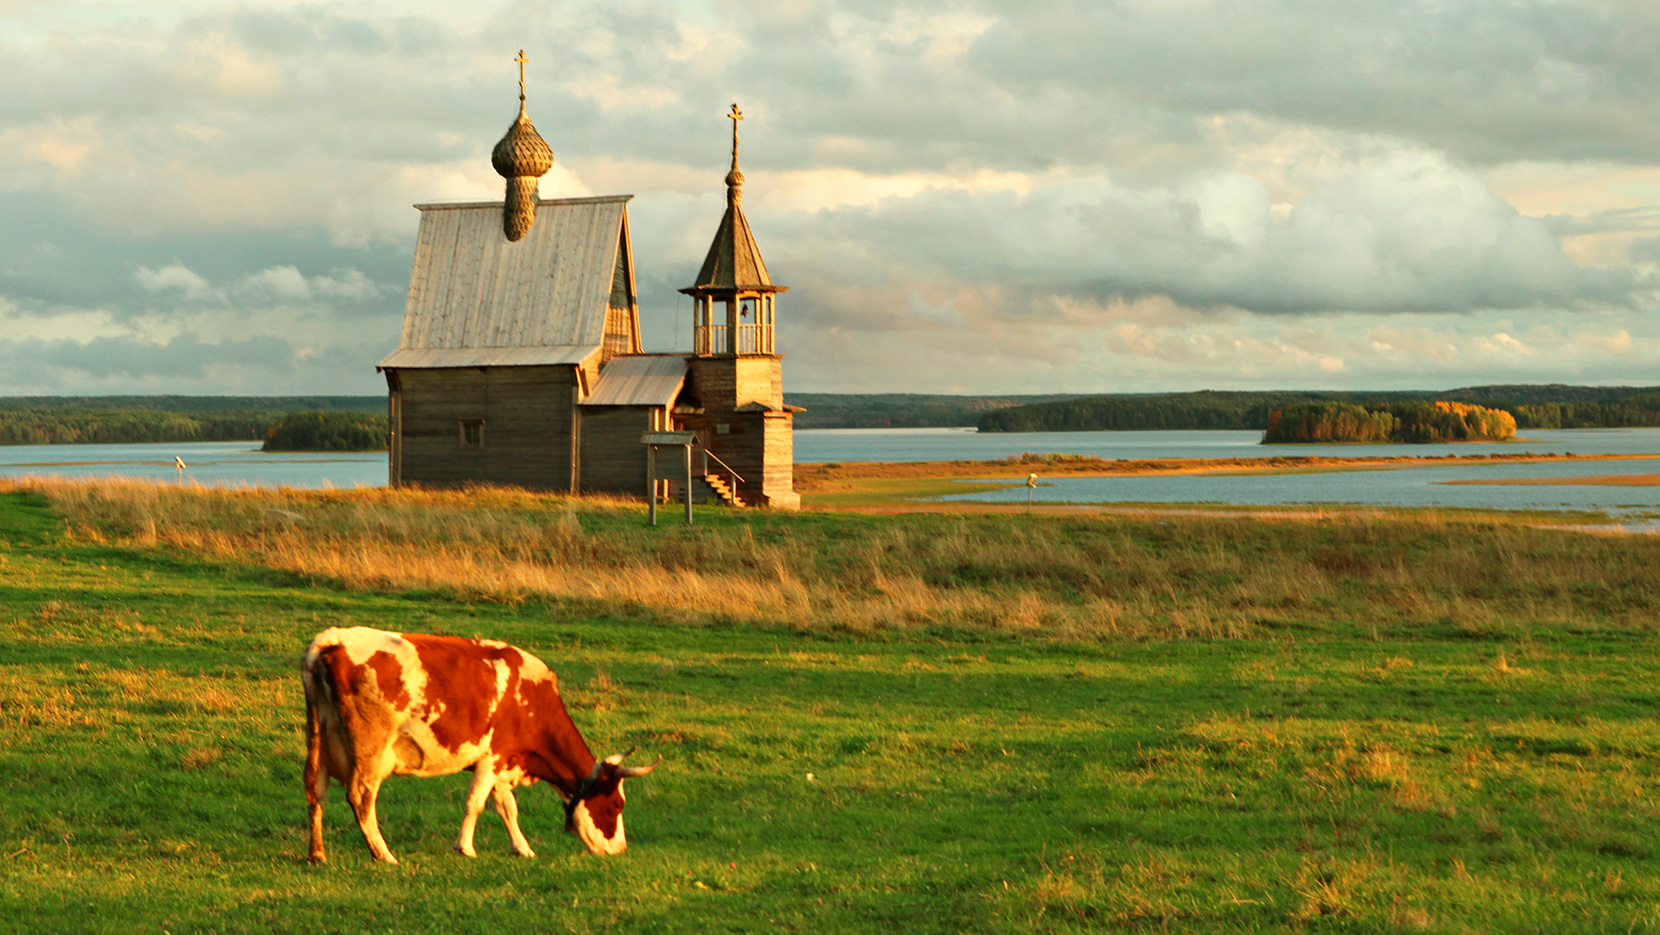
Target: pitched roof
[[639, 380], [734, 261], [471, 289]]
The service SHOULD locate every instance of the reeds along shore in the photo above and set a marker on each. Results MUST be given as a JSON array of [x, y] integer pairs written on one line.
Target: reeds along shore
[[1083, 577]]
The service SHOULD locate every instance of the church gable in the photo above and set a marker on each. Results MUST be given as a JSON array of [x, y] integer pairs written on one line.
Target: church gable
[[622, 317], [546, 295]]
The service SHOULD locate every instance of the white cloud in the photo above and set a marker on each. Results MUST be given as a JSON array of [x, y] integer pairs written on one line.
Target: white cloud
[[175, 278], [278, 283]]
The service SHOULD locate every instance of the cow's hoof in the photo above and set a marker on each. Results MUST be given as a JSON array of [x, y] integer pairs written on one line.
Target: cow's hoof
[[318, 858], [464, 851], [527, 852]]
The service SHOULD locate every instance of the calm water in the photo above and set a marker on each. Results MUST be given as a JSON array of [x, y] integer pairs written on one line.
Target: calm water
[[220, 464], [234, 463]]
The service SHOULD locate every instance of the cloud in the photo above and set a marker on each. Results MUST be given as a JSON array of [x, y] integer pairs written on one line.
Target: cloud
[[175, 277], [1405, 233], [988, 194]]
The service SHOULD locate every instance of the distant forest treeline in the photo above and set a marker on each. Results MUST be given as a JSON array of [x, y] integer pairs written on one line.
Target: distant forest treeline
[[902, 410], [1545, 406], [41, 420], [1439, 421], [68, 420], [125, 426]]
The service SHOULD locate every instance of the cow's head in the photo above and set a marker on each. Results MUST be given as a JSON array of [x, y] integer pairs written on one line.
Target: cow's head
[[594, 813]]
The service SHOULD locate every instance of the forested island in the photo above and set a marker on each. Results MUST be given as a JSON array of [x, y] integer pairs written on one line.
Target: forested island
[[1410, 422], [329, 431]]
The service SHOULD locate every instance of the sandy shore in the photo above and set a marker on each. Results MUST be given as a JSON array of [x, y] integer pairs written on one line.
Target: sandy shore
[[820, 477], [1601, 480]]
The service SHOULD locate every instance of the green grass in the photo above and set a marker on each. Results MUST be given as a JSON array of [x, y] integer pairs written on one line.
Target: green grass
[[1491, 772]]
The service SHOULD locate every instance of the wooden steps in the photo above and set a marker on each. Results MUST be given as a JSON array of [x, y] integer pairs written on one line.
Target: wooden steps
[[722, 490]]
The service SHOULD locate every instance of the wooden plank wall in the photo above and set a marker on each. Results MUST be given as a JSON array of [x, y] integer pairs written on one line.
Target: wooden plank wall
[[725, 383], [613, 459], [527, 414], [759, 446], [778, 455]]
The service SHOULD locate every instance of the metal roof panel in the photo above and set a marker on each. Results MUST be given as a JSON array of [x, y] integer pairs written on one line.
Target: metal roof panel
[[472, 288], [639, 380]]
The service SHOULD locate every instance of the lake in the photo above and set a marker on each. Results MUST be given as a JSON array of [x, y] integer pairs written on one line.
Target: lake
[[239, 463]]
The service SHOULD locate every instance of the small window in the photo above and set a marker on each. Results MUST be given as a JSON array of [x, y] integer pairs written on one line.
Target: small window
[[472, 433]]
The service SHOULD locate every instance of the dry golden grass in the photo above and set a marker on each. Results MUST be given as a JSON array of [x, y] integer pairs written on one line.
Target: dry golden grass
[[1092, 577]]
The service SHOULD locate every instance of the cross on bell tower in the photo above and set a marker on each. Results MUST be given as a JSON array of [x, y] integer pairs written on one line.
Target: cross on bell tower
[[734, 279]]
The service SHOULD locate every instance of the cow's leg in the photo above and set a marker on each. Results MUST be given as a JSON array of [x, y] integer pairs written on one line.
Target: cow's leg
[[363, 789], [508, 808], [316, 781], [484, 776]]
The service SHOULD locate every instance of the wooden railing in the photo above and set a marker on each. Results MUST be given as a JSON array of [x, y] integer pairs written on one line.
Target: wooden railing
[[710, 339], [752, 339], [711, 456]]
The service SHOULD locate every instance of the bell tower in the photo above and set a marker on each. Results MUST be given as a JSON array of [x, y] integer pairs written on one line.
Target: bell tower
[[734, 300], [736, 372]]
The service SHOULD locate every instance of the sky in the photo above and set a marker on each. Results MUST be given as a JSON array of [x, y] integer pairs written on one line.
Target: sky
[[1009, 196]]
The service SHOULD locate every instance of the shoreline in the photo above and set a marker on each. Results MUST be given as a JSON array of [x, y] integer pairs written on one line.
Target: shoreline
[[811, 476]]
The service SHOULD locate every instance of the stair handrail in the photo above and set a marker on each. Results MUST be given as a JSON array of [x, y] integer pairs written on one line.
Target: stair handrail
[[710, 454]]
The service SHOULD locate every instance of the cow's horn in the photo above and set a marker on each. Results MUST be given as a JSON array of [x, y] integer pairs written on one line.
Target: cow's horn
[[628, 772], [615, 759]]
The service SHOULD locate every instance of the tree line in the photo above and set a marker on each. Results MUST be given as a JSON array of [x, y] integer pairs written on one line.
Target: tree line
[[126, 426], [1413, 422], [1552, 406], [329, 431], [279, 431]]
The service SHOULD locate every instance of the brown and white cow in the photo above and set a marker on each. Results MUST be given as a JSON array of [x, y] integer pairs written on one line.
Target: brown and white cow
[[381, 704]]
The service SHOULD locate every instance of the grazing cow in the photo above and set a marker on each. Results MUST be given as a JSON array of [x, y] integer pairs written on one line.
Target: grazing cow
[[380, 703]]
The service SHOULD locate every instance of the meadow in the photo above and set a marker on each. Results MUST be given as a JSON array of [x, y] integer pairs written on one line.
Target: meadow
[[1355, 721]]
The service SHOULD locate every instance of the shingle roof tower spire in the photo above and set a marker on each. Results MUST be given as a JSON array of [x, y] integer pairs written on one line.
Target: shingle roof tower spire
[[521, 157], [735, 276]]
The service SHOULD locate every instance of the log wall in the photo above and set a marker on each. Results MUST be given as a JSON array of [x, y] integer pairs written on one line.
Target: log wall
[[613, 459], [529, 427]]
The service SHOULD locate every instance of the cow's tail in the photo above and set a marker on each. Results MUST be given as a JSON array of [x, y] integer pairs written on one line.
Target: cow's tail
[[326, 740]]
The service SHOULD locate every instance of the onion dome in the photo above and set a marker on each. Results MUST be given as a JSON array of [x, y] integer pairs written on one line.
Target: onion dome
[[522, 151], [521, 157]]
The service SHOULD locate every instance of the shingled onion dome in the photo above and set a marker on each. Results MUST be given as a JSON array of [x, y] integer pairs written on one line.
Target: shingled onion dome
[[521, 157]]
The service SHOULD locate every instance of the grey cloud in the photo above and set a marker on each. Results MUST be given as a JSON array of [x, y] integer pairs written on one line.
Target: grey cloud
[[51, 260], [1611, 221], [183, 357], [1402, 235], [1487, 79], [264, 364]]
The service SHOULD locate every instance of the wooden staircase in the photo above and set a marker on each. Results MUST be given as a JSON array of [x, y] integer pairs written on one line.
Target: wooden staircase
[[722, 490]]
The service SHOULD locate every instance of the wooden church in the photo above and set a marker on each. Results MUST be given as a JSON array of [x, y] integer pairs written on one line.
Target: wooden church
[[520, 362]]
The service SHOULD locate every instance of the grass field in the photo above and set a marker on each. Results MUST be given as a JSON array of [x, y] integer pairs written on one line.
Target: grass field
[[1357, 723]]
